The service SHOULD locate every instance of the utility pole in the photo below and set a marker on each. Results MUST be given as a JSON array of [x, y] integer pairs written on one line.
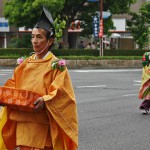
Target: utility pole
[[101, 27], [100, 35]]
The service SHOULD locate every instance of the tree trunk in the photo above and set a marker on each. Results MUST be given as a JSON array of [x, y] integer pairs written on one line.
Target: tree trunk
[[65, 38]]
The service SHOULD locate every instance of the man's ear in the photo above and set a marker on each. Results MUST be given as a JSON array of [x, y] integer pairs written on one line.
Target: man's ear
[[50, 41]]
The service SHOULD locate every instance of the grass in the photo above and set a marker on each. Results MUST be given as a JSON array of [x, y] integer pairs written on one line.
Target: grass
[[101, 58]]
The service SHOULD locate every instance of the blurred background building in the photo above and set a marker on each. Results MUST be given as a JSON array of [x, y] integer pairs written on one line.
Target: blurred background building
[[121, 38], [6, 31], [124, 40]]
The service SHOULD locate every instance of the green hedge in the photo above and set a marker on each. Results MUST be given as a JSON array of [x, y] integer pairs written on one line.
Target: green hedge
[[101, 58], [72, 52], [124, 52], [15, 51]]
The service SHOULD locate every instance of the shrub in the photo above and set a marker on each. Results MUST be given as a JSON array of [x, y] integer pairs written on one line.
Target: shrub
[[22, 42], [73, 52]]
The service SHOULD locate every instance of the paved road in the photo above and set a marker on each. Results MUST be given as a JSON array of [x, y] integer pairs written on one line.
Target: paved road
[[108, 103], [109, 118]]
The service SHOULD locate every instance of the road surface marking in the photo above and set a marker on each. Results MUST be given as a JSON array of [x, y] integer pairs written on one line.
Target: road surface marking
[[130, 95], [107, 70], [7, 70], [91, 86], [137, 82], [4, 72]]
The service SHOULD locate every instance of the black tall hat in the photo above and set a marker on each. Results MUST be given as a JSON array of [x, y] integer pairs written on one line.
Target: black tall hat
[[46, 22]]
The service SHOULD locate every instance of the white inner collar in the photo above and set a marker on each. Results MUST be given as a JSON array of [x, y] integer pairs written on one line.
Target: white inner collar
[[45, 55]]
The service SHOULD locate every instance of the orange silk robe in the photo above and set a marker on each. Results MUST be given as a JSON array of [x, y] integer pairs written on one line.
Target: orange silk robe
[[57, 125]]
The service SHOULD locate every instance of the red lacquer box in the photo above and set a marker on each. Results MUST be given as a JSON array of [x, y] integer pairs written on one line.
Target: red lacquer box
[[17, 98]]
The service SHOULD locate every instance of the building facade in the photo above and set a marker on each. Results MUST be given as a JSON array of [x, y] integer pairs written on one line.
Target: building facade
[[125, 41], [7, 32]]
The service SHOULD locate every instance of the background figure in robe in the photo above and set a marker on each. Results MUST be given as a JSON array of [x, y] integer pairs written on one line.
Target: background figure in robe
[[81, 45], [144, 92], [53, 123], [93, 45], [60, 45], [88, 46]]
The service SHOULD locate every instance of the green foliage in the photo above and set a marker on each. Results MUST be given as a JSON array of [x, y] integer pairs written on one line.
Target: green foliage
[[59, 24], [118, 6], [96, 52], [87, 10], [73, 52], [19, 52], [139, 25], [108, 24], [102, 58], [58, 64], [22, 42], [26, 12], [85, 57]]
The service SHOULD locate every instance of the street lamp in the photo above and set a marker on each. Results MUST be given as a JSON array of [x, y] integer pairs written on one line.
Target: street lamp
[[101, 26]]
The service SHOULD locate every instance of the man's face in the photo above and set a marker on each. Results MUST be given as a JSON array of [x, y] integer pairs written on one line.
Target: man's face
[[39, 40]]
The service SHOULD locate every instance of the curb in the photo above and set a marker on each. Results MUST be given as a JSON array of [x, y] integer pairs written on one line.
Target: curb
[[77, 64]]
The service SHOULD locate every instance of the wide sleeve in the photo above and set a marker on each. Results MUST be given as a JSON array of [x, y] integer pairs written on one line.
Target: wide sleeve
[[10, 82], [145, 81], [62, 108]]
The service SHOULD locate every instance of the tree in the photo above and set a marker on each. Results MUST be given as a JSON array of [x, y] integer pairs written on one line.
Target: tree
[[20, 43], [83, 10], [26, 12], [139, 25]]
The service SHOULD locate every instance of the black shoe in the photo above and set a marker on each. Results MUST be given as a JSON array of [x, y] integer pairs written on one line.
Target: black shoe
[[144, 111]]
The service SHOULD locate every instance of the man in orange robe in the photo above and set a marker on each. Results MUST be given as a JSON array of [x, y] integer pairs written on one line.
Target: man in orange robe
[[53, 124]]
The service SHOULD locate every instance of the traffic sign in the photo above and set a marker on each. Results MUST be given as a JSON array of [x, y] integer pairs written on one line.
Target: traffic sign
[[106, 14], [4, 25], [95, 26]]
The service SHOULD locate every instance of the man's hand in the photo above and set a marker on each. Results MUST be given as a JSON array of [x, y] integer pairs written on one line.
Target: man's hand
[[39, 104]]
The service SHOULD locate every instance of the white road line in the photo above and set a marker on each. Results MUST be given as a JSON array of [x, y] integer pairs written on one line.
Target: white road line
[[137, 84], [8, 70], [97, 70], [127, 95], [138, 81], [107, 70], [92, 86]]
